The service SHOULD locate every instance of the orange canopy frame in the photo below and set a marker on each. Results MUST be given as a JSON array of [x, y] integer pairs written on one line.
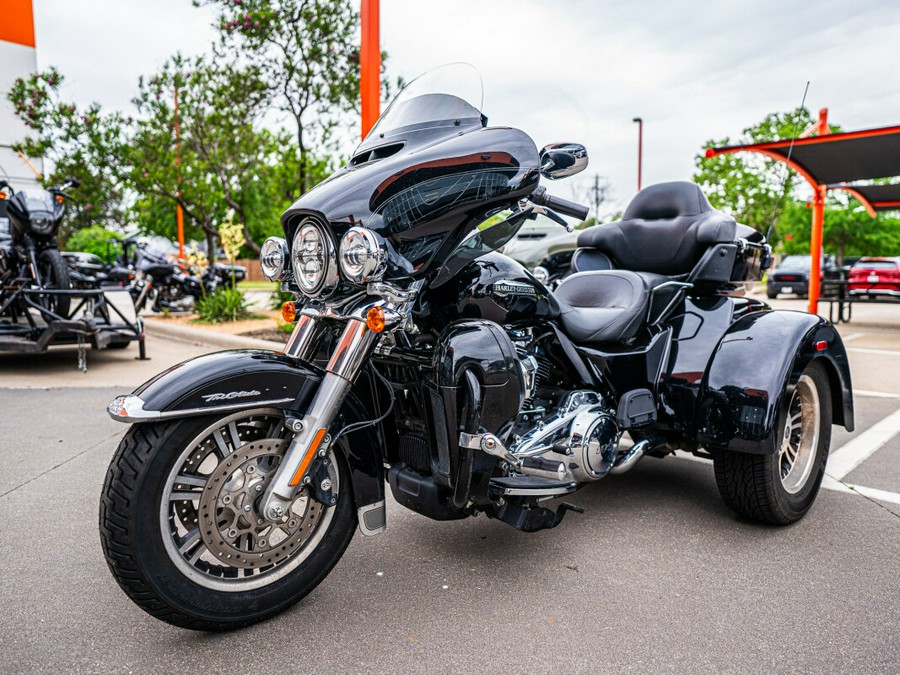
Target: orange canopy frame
[[830, 162]]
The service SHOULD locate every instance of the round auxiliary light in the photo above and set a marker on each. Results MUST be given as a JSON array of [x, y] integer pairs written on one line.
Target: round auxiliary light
[[313, 260], [273, 257], [362, 256]]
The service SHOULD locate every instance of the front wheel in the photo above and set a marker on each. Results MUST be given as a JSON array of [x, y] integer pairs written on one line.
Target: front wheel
[[181, 532], [780, 488], [54, 276]]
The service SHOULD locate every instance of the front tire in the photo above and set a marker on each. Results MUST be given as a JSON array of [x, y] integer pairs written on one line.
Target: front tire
[[54, 275], [180, 530], [780, 488]]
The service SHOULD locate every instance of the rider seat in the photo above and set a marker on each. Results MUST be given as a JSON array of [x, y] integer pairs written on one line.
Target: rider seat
[[664, 233]]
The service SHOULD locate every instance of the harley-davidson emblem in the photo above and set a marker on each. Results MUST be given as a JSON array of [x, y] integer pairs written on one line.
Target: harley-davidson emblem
[[513, 288], [209, 398]]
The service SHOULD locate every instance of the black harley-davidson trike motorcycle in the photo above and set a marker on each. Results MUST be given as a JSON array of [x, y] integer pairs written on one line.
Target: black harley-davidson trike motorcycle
[[424, 359]]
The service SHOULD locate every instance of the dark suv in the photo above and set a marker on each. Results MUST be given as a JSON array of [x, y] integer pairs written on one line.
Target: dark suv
[[791, 275]]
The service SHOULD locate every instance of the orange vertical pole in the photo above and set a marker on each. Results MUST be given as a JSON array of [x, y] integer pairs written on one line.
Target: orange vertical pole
[[815, 248], [179, 215], [818, 226], [369, 65]]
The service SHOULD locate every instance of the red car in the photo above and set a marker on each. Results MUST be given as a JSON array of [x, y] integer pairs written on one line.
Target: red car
[[875, 276]]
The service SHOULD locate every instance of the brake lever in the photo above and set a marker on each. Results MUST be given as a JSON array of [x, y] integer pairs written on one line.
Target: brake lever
[[538, 210]]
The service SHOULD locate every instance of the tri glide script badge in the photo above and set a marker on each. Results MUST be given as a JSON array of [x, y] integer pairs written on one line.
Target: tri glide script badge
[[229, 396]]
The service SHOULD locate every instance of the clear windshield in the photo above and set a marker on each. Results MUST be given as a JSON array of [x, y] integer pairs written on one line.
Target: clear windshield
[[449, 95], [36, 199]]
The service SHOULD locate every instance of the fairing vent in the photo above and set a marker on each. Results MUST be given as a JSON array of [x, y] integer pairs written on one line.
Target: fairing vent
[[376, 153]]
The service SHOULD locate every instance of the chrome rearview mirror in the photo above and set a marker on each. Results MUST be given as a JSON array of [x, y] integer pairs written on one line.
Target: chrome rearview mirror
[[559, 160]]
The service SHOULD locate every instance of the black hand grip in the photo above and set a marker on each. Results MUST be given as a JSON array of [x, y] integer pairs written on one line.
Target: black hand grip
[[540, 196]]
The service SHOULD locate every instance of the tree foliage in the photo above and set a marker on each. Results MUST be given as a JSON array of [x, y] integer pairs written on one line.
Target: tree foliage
[[848, 230], [748, 185], [307, 58], [255, 120], [74, 142]]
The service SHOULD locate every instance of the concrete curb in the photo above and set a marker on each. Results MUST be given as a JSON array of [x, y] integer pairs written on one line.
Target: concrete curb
[[207, 337]]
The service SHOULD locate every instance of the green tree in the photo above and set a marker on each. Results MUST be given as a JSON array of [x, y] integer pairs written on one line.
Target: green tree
[[848, 230], [74, 142], [749, 185], [307, 57]]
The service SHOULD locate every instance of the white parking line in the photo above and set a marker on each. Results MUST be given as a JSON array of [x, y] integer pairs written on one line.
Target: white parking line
[[874, 394], [846, 458], [867, 350], [852, 337]]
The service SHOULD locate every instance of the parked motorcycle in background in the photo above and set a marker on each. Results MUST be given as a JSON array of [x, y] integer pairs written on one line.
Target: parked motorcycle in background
[[424, 359], [31, 256]]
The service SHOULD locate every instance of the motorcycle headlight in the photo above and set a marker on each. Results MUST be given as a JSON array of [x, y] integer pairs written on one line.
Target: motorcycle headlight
[[41, 225], [313, 260], [272, 258], [362, 256]]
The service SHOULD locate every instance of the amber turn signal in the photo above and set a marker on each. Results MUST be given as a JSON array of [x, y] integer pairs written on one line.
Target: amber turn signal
[[375, 319], [59, 199], [289, 312]]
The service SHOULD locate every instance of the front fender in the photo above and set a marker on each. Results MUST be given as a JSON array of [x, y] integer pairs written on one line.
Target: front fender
[[759, 356], [223, 382], [220, 382]]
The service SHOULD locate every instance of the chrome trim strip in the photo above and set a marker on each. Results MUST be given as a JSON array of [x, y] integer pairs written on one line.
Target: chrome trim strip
[[130, 409], [538, 492]]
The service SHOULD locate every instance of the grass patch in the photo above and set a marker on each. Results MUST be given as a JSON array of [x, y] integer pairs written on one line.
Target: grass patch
[[258, 285]]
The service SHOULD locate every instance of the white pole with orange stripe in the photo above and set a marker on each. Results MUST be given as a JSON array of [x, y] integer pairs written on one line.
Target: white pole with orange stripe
[[19, 58]]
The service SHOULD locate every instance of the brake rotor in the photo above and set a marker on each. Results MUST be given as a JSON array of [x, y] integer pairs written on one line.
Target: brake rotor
[[231, 527]]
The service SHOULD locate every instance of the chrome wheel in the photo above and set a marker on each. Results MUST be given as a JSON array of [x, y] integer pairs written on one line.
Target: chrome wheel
[[800, 438], [209, 521]]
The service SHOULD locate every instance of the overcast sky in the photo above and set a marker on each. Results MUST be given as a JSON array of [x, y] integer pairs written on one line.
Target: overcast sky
[[574, 70]]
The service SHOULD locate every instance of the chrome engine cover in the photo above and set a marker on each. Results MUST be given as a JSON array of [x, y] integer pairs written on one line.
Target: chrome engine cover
[[593, 445], [582, 434]]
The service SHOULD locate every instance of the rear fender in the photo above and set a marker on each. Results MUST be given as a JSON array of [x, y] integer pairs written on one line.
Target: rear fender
[[228, 381], [759, 356]]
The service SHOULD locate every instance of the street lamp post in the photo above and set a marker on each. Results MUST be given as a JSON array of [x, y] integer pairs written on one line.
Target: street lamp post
[[640, 123]]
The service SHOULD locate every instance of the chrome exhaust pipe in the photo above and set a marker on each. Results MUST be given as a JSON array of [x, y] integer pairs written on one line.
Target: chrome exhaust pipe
[[632, 456]]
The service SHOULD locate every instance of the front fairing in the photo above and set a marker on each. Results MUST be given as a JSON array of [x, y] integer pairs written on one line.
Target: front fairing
[[35, 212], [423, 190]]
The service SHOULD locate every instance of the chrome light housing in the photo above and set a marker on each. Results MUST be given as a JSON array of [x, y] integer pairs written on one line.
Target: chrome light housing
[[313, 260], [363, 256], [272, 258]]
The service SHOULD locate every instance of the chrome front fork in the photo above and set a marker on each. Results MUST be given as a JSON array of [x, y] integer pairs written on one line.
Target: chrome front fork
[[311, 434]]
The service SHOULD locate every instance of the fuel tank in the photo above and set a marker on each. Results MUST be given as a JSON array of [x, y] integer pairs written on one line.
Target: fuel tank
[[423, 193], [496, 288]]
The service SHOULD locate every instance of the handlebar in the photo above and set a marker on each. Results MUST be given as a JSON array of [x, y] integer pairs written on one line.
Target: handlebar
[[564, 206]]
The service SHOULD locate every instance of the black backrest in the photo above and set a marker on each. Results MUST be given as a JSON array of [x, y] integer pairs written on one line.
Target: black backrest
[[665, 230]]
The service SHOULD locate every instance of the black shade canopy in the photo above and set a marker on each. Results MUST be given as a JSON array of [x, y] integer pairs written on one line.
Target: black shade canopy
[[834, 158], [874, 197]]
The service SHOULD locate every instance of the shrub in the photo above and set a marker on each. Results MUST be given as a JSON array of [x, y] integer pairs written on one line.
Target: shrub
[[91, 240], [226, 304], [280, 297]]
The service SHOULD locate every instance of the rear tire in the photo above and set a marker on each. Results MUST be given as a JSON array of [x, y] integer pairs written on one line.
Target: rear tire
[[771, 294], [780, 488], [236, 572]]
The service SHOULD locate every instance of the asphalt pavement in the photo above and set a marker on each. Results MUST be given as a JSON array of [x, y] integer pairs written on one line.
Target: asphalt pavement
[[657, 575]]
